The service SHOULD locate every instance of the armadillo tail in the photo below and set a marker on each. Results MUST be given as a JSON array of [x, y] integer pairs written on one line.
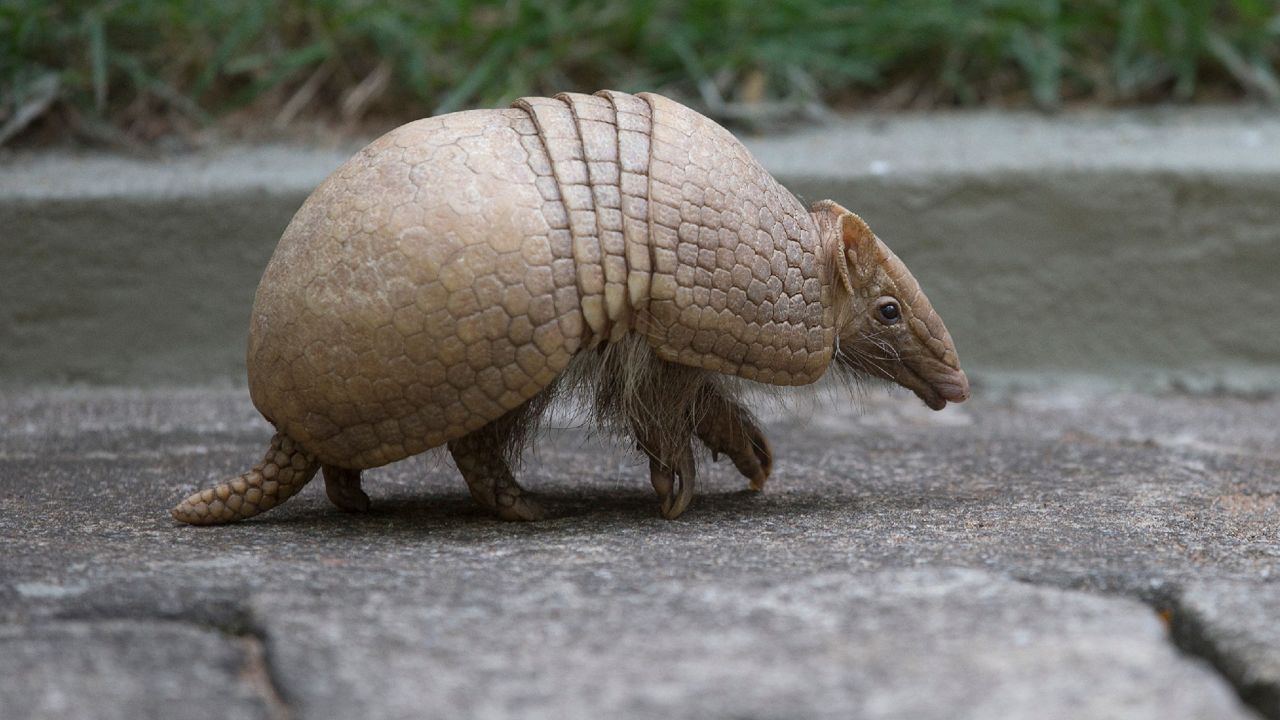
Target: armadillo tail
[[283, 472]]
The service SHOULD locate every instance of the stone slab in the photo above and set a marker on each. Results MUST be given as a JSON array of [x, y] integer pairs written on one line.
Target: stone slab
[[918, 643], [130, 670]]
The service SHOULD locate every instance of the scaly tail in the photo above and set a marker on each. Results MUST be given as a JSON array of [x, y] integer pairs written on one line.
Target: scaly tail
[[283, 472]]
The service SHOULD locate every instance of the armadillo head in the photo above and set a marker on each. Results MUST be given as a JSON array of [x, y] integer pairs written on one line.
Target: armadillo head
[[886, 326]]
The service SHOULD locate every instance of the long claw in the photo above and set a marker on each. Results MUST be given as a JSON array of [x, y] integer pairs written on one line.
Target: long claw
[[684, 493], [764, 455], [675, 488], [728, 428], [662, 478]]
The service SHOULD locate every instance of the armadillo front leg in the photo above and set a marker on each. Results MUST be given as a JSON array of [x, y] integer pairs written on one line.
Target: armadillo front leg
[[727, 427], [481, 459]]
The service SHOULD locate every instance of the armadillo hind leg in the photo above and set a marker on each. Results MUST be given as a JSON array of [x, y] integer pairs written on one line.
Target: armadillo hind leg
[[727, 428], [343, 488], [481, 458], [671, 470], [284, 470]]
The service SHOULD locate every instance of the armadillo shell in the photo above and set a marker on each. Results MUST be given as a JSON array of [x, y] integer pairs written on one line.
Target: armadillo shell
[[449, 271]]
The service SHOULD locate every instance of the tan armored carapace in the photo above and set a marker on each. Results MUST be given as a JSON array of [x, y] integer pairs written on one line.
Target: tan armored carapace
[[450, 278]]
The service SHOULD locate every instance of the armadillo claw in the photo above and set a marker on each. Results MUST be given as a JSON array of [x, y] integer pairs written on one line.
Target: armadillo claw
[[763, 453], [674, 488], [729, 429]]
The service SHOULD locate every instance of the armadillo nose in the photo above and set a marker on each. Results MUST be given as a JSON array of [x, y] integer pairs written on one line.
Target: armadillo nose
[[954, 387]]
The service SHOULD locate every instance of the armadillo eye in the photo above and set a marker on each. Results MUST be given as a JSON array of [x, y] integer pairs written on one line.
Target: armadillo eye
[[889, 312]]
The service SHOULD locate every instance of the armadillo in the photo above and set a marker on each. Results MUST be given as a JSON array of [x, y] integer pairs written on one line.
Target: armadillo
[[443, 285]]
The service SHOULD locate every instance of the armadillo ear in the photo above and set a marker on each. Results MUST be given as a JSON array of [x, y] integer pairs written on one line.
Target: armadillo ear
[[859, 242], [842, 267], [859, 246], [837, 213]]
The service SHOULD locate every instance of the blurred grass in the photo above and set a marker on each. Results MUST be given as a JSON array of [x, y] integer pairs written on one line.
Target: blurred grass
[[134, 70]]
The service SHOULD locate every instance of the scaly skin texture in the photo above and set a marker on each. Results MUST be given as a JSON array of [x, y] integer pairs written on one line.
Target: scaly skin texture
[[284, 470], [450, 273]]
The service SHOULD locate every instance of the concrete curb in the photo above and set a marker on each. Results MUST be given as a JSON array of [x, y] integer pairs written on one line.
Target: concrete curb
[[1125, 246]]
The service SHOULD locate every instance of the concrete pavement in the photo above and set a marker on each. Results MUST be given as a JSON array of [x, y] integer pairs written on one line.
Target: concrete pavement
[[1067, 553]]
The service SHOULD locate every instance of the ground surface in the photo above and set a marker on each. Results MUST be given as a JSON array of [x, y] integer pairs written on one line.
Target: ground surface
[[1028, 555]]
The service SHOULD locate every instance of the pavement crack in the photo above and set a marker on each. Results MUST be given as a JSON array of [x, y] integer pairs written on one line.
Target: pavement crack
[[231, 620], [258, 674], [1188, 632], [1192, 635]]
